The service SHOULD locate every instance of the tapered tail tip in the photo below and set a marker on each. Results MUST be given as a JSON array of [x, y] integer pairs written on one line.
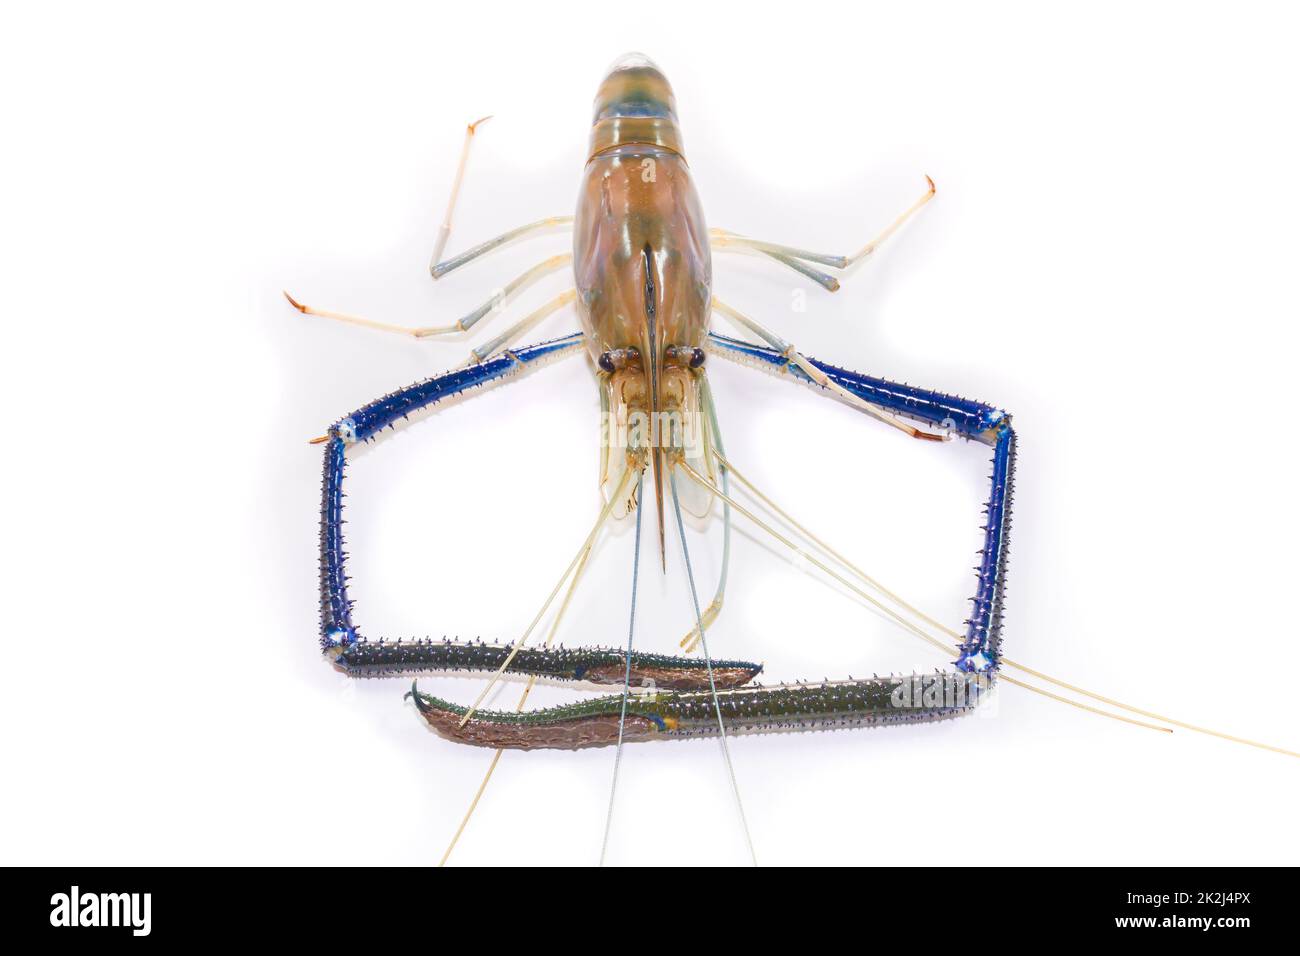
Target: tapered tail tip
[[294, 302]]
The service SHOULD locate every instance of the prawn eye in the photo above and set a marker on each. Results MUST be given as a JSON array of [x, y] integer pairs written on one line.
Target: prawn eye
[[684, 355], [614, 359]]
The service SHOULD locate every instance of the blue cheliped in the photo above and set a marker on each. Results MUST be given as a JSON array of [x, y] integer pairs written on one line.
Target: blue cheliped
[[777, 707], [972, 420], [337, 628]]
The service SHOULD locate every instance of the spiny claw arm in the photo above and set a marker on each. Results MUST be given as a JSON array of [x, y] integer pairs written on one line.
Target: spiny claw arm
[[337, 627], [597, 665], [975, 421]]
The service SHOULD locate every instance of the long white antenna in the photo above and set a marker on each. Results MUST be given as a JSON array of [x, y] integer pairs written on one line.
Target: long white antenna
[[708, 663], [627, 669]]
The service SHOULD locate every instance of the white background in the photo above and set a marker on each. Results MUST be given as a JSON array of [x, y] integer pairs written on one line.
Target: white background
[[1111, 256]]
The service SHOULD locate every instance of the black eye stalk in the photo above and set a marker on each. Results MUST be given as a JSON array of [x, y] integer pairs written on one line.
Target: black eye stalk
[[615, 359], [684, 355]]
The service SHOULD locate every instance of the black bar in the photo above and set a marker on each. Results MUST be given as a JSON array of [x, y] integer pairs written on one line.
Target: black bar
[[1222, 905]]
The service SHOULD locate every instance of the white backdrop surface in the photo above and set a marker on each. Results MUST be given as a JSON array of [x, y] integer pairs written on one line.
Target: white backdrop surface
[[1111, 256]]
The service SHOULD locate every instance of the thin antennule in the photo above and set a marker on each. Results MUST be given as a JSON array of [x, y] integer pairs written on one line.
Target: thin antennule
[[627, 676], [519, 706], [708, 660], [1006, 661], [1146, 713], [514, 649], [715, 443], [884, 609]]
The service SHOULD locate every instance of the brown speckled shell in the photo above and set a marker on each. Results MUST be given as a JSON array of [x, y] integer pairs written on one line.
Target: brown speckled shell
[[563, 735]]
